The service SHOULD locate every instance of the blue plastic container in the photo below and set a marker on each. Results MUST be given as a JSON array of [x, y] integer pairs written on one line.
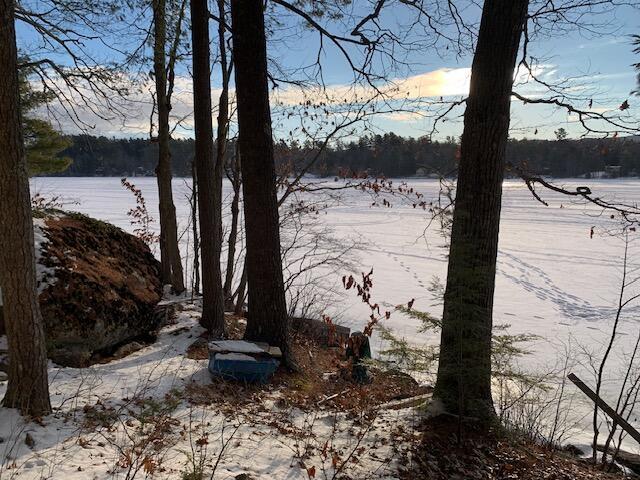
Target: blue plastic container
[[250, 370]]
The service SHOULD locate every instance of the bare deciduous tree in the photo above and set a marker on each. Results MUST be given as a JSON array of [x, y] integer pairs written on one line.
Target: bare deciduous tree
[[170, 260]]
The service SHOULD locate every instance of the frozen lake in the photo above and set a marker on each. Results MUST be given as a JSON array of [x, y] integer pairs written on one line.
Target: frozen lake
[[553, 279]]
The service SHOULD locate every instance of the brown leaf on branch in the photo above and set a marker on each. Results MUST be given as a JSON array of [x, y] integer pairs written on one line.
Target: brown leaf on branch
[[149, 465]]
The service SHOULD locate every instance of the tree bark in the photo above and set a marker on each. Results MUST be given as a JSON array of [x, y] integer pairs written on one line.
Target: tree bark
[[464, 371], [267, 315], [233, 231], [170, 259], [208, 200], [195, 288], [241, 291], [221, 139], [27, 389]]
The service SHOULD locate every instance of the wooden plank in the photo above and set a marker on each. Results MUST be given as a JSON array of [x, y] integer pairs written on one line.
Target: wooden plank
[[627, 459], [407, 402], [626, 426], [331, 397]]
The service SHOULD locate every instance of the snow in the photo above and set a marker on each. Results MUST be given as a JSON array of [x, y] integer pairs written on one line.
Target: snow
[[267, 441], [553, 280], [239, 346], [234, 356], [45, 275]]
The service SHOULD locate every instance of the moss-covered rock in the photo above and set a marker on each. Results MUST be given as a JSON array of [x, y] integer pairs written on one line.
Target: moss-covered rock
[[98, 288]]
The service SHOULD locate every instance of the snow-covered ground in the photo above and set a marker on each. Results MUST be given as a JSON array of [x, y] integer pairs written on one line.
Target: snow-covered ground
[[127, 419], [553, 280]]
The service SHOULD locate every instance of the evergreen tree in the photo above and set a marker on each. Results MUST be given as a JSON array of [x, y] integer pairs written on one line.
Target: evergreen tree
[[28, 388], [267, 319], [43, 143], [464, 372]]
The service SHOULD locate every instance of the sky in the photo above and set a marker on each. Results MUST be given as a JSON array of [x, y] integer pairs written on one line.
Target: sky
[[591, 67]]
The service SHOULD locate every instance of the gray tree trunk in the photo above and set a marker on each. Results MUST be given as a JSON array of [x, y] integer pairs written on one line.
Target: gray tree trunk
[[233, 232], [221, 139], [170, 259]]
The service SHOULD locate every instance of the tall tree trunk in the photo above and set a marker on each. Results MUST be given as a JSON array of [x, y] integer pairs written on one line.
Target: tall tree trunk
[[208, 199], [28, 389], [223, 128], [195, 289], [267, 316], [170, 259], [464, 371], [233, 231], [241, 291]]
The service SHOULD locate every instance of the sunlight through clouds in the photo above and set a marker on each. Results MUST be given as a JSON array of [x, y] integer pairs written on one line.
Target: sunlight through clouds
[[136, 109]]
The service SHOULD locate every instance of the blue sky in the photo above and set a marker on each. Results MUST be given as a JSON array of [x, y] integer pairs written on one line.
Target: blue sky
[[599, 66]]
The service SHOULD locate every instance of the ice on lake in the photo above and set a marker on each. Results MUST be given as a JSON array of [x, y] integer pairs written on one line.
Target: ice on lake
[[553, 279]]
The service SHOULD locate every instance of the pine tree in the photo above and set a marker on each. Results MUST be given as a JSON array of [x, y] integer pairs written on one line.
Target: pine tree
[[27, 388], [464, 372], [267, 318]]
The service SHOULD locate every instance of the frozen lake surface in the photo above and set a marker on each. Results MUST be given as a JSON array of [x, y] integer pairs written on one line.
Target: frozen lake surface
[[553, 279]]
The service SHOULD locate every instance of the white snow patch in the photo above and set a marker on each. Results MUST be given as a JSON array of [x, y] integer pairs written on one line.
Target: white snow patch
[[45, 276], [238, 346], [234, 356]]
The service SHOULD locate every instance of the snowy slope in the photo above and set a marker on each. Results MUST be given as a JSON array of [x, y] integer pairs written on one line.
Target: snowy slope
[[103, 416]]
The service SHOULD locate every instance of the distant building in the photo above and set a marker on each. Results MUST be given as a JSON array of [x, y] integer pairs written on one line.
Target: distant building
[[610, 171], [613, 171], [597, 174]]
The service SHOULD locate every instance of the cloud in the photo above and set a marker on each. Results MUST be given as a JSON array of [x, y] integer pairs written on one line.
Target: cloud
[[82, 110], [403, 116], [131, 116], [404, 94], [444, 82]]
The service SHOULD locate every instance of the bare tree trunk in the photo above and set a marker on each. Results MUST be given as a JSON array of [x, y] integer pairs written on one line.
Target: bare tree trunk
[[464, 372], [169, 250], [233, 231], [241, 291], [223, 128], [267, 316], [28, 389], [195, 290], [212, 302]]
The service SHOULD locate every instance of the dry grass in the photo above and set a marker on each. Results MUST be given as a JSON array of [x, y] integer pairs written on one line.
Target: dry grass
[[488, 456], [320, 375]]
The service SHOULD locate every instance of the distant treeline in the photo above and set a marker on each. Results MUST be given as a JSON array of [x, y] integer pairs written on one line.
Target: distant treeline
[[389, 155]]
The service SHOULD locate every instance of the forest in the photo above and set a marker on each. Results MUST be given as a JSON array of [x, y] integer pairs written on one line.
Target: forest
[[243, 289], [383, 155]]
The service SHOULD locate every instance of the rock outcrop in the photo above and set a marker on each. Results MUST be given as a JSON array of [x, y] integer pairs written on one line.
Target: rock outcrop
[[98, 287]]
